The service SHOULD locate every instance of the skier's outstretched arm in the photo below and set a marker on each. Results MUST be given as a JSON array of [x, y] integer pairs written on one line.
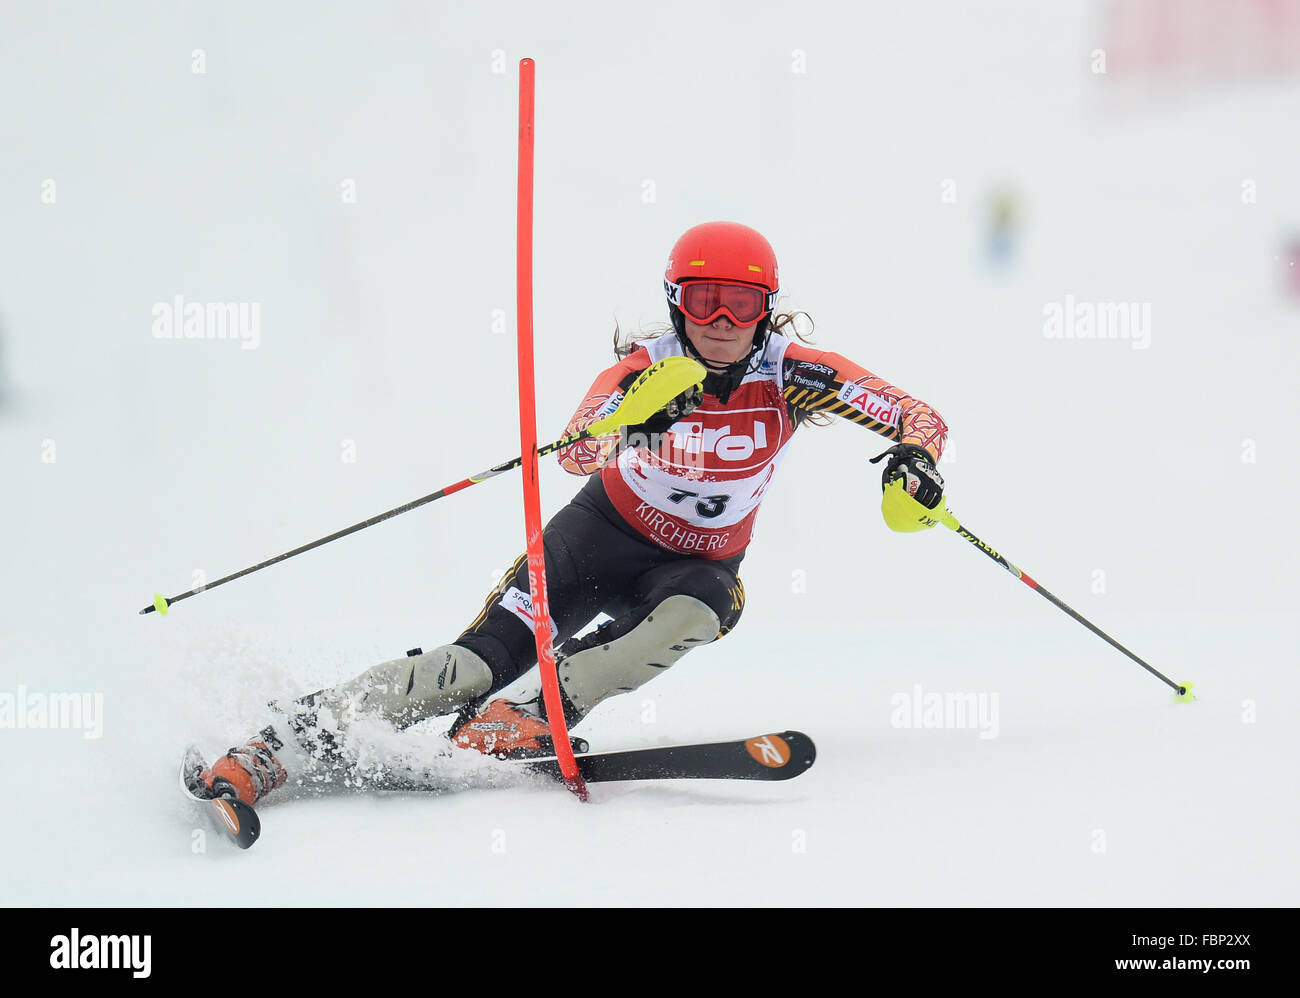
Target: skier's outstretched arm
[[820, 381]]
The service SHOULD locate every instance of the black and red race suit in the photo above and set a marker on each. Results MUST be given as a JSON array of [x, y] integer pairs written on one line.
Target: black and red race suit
[[676, 513]]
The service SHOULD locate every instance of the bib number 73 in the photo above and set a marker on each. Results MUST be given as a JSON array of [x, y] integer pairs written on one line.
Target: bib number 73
[[706, 506]]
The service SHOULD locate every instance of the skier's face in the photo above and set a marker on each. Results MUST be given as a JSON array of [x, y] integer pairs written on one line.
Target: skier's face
[[721, 341]]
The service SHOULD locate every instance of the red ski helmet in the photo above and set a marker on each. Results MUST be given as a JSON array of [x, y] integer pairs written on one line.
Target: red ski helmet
[[734, 260]]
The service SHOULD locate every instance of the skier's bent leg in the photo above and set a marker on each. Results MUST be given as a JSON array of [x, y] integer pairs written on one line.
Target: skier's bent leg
[[589, 565], [309, 735], [682, 605], [403, 691]]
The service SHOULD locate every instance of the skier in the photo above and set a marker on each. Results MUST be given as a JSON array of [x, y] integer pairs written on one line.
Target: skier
[[654, 538]]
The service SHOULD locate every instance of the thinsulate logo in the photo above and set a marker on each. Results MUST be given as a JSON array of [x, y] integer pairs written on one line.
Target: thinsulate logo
[[770, 750]]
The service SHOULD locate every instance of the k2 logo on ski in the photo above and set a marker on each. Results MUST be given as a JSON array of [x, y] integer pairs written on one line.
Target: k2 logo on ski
[[876, 406]]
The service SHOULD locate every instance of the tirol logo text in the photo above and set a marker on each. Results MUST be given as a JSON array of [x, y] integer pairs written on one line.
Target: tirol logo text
[[694, 438]]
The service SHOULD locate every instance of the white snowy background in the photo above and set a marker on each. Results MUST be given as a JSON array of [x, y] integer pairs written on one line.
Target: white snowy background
[[1149, 488]]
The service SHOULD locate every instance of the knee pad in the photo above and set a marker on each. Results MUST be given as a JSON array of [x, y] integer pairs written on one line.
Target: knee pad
[[602, 669], [404, 691]]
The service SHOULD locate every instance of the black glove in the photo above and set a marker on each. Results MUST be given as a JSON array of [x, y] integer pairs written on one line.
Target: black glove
[[679, 407], [916, 467]]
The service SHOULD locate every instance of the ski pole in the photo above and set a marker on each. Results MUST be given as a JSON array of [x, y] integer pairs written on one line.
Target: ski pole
[[654, 388], [901, 513]]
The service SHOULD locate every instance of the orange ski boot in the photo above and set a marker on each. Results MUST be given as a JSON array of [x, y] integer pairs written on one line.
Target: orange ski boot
[[250, 770], [506, 730]]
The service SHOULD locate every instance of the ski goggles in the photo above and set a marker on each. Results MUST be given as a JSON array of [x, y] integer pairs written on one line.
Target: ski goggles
[[703, 301]]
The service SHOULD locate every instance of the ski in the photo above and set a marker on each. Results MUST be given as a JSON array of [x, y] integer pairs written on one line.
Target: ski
[[778, 756], [765, 757], [237, 820]]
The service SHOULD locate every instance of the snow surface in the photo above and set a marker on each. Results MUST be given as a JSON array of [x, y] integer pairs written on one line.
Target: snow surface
[[377, 332]]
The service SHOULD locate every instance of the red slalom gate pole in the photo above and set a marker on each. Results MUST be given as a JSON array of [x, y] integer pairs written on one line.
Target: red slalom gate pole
[[528, 440]]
